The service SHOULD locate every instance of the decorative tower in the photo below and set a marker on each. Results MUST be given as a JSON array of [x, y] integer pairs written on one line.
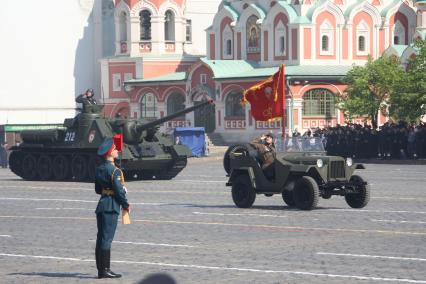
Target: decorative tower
[[421, 16]]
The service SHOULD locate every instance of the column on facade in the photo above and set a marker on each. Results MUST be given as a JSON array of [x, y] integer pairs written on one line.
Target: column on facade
[[134, 110], [220, 116], [266, 28], [297, 108], [157, 34], [180, 37], [134, 35], [190, 116]]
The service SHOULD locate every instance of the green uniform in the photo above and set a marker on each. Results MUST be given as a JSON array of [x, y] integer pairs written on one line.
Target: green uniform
[[109, 183]]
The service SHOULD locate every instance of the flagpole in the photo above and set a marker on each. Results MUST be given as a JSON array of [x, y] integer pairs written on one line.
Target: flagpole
[[284, 110]]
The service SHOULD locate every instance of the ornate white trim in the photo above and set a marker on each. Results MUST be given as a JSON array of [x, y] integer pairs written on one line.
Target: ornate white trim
[[333, 9], [170, 5], [144, 5], [369, 9]]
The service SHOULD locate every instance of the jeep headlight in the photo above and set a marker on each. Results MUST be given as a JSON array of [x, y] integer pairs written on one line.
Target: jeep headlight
[[349, 162], [320, 163]]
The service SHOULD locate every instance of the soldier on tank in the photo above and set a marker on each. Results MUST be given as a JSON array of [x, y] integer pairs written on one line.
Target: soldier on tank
[[109, 183], [88, 98]]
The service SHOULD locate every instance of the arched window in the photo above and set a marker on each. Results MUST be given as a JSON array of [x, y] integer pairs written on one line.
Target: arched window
[[169, 26], [175, 103], [123, 26], [326, 35], [398, 33], [361, 43], [145, 22], [319, 102], [395, 40], [280, 39], [227, 42], [324, 43], [362, 35], [148, 106], [233, 106], [253, 35]]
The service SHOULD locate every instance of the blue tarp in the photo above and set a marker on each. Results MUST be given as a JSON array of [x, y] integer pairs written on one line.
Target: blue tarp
[[192, 137]]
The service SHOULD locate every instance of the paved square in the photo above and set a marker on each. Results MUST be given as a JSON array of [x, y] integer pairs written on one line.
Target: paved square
[[190, 229]]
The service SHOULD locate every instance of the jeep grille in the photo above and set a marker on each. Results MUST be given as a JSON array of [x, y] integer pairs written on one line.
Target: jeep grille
[[337, 169]]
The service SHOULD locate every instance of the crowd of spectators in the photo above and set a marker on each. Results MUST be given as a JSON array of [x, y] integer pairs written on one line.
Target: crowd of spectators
[[391, 141]]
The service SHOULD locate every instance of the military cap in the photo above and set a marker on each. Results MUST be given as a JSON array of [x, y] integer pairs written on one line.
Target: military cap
[[270, 135], [105, 147]]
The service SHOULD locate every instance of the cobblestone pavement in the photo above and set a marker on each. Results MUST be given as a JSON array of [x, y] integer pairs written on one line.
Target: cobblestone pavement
[[189, 228]]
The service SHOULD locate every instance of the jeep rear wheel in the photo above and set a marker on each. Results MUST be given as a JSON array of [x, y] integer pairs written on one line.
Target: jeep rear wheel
[[362, 195], [306, 193], [243, 193]]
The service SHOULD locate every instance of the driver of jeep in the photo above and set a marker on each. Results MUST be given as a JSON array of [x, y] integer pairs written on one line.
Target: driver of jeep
[[266, 149]]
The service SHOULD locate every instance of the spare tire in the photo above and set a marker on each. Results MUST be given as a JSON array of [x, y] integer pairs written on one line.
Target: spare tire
[[246, 147]]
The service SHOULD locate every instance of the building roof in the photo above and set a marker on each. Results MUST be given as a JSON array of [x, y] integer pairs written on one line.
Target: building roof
[[246, 69], [296, 71], [399, 48], [172, 77], [226, 68]]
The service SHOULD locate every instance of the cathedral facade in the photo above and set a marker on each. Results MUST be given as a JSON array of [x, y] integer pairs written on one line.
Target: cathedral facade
[[158, 69]]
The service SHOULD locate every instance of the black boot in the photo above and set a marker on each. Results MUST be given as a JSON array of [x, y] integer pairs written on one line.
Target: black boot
[[105, 261], [98, 261]]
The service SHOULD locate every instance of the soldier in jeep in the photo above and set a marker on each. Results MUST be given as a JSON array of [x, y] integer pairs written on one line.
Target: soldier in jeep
[[266, 151]]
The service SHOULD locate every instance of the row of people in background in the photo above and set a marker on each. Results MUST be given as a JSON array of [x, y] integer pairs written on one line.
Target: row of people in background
[[390, 141], [3, 155]]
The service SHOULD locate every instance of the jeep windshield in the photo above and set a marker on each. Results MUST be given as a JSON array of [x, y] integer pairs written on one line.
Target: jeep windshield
[[299, 144]]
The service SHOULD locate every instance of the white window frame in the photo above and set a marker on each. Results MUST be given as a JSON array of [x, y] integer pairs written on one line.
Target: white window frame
[[363, 30], [116, 82], [327, 29], [280, 32], [399, 32], [203, 78]]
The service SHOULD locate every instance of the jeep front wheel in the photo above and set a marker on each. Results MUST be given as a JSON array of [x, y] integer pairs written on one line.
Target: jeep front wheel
[[243, 193], [306, 193], [288, 197], [360, 198]]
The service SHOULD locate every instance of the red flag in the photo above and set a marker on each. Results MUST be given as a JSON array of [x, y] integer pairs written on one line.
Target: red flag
[[267, 98], [118, 141]]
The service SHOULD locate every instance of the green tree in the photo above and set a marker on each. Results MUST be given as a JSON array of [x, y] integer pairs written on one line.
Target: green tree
[[369, 88], [409, 102]]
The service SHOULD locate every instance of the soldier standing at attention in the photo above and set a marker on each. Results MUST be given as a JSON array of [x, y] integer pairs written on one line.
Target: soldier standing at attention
[[109, 183]]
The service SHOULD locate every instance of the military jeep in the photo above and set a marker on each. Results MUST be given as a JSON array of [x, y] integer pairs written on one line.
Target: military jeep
[[303, 174]]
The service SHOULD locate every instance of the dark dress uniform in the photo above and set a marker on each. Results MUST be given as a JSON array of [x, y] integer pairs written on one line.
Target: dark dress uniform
[[109, 183], [267, 154], [85, 99]]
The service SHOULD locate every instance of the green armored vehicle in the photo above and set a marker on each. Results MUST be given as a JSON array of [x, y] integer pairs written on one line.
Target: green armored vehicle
[[69, 153], [303, 174]]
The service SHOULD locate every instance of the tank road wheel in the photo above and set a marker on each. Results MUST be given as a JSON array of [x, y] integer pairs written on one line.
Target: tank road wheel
[[29, 164], [288, 197], [94, 162], [61, 167], [306, 193], [243, 192], [79, 167], [44, 167], [15, 162], [362, 195]]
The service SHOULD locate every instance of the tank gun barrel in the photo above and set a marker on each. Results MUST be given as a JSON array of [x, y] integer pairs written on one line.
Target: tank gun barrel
[[151, 124]]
